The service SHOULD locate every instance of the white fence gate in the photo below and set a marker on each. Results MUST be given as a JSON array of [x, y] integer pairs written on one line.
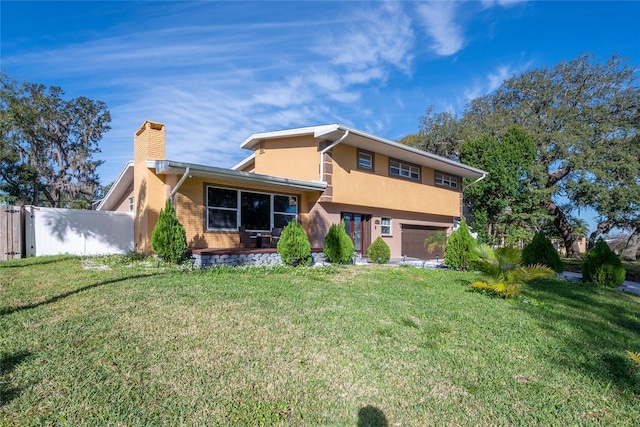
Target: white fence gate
[[52, 231]]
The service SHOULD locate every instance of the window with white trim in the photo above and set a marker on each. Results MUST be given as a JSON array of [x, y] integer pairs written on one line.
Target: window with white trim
[[285, 209], [228, 209], [446, 180], [365, 160], [404, 170], [385, 226], [131, 204], [222, 209]]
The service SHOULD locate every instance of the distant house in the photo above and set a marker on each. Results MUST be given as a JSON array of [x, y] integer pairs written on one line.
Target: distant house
[[319, 175]]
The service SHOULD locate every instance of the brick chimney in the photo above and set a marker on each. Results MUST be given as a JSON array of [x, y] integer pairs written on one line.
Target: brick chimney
[[148, 188]]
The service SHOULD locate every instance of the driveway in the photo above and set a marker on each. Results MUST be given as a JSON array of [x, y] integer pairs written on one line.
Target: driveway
[[627, 286]]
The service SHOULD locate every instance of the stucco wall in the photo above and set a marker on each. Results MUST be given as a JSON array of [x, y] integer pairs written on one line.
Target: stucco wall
[[379, 190], [296, 158], [322, 215]]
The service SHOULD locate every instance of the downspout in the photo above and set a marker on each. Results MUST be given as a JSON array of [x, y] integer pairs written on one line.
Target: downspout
[[484, 175], [322, 153], [177, 187]]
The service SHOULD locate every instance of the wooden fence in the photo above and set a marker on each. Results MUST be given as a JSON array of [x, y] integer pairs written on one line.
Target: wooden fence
[[11, 232]]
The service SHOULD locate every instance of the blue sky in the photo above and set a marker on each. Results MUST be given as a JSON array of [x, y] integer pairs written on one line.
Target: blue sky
[[216, 72]]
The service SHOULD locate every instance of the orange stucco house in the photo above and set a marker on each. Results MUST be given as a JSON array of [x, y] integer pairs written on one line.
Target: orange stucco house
[[318, 175]]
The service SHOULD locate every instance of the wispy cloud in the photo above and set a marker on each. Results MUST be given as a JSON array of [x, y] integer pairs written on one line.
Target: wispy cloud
[[492, 80], [503, 3], [440, 22]]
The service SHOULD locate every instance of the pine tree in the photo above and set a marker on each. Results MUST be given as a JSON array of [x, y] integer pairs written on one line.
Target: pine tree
[[460, 247], [168, 239]]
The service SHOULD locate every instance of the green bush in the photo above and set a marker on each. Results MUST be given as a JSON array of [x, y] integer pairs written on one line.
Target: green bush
[[460, 247], [168, 239], [379, 252], [603, 267], [541, 251], [338, 246], [294, 247]]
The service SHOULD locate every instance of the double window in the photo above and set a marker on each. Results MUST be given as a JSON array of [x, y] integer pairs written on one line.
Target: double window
[[404, 170], [229, 209], [445, 180]]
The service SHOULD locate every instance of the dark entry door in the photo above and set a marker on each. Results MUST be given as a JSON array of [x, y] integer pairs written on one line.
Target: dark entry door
[[358, 228]]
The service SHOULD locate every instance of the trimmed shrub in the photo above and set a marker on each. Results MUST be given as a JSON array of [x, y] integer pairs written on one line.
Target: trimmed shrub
[[603, 267], [168, 239], [294, 247], [541, 251], [338, 246], [460, 247], [379, 251]]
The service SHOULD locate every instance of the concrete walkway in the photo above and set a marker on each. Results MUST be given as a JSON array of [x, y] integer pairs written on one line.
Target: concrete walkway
[[627, 286]]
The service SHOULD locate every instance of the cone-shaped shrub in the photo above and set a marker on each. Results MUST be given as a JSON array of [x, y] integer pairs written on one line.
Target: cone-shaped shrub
[[294, 247], [338, 246], [379, 252], [603, 267], [460, 247], [168, 239], [541, 251]]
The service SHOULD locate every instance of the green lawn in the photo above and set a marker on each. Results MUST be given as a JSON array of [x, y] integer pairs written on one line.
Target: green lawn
[[138, 345]]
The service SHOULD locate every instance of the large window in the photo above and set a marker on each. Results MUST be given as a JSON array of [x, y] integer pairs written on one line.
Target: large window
[[404, 170], [446, 180], [222, 208], [229, 209], [285, 209]]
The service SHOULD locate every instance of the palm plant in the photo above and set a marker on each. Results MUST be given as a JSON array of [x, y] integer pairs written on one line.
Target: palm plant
[[503, 272], [439, 238]]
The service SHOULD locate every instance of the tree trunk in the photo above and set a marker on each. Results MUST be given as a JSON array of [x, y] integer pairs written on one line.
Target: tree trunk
[[630, 251], [603, 228], [565, 230]]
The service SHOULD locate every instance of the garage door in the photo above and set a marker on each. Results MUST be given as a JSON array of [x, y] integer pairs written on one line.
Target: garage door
[[413, 237]]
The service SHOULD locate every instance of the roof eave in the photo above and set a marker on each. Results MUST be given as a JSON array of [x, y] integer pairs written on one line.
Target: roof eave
[[169, 167]]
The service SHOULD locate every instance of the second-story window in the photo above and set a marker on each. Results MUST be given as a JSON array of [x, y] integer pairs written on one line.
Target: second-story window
[[446, 180], [404, 170], [365, 160]]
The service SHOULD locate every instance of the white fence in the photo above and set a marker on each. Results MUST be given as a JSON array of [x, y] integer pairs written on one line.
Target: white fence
[[52, 231]]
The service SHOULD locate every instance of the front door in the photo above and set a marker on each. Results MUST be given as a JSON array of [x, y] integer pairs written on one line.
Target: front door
[[357, 227]]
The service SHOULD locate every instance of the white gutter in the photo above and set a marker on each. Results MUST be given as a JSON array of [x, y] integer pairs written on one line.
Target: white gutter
[[175, 189], [322, 153], [484, 175]]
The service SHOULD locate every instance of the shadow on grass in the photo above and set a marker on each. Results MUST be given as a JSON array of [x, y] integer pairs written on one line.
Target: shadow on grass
[[370, 416], [4, 311], [592, 328], [8, 363], [31, 261]]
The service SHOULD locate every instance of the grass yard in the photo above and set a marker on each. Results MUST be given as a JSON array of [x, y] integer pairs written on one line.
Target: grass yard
[[137, 345]]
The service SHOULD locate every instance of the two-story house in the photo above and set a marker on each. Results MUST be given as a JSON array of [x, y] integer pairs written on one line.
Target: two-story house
[[317, 175]]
